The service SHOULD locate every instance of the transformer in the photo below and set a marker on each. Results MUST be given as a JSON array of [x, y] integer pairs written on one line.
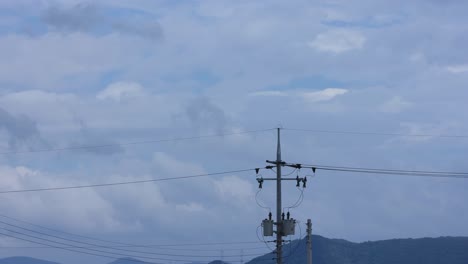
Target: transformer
[[267, 227], [289, 227]]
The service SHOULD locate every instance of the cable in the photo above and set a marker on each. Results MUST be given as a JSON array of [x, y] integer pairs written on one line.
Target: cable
[[178, 249], [263, 240], [122, 183], [113, 248], [299, 200], [96, 250], [89, 249], [396, 172], [289, 173], [71, 250], [258, 203], [139, 245], [291, 253], [158, 246], [386, 171], [374, 133], [390, 170], [133, 143]]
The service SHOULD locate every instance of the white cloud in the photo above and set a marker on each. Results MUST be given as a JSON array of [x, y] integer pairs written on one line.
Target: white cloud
[[90, 211], [338, 41], [461, 68], [417, 57], [395, 105], [268, 93], [190, 207], [234, 189], [323, 95], [50, 60], [315, 96], [120, 90], [167, 163]]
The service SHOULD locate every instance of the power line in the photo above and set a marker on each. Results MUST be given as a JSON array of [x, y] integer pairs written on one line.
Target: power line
[[93, 249], [82, 249], [143, 246], [120, 244], [69, 249], [419, 173], [133, 143], [397, 173], [393, 170], [373, 133], [122, 183], [112, 248]]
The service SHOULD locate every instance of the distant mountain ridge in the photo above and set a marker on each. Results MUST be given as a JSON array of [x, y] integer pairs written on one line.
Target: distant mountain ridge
[[442, 250], [24, 260]]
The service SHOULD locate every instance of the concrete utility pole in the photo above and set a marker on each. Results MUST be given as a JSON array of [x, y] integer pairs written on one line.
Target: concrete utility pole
[[309, 241], [279, 223], [284, 226]]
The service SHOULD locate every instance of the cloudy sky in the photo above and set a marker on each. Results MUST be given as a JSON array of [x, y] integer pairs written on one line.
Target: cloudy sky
[[76, 73]]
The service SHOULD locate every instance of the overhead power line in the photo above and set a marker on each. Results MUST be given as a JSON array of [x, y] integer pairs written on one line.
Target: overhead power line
[[118, 245], [373, 133], [418, 173], [157, 246], [122, 183], [50, 243], [70, 249], [88, 245], [80, 147], [147, 246], [110, 251]]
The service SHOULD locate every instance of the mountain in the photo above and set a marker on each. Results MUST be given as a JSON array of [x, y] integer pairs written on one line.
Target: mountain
[[126, 261], [24, 260], [442, 250], [218, 262]]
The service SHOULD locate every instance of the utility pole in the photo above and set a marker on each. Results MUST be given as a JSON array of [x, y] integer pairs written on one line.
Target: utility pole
[[285, 225], [309, 241], [279, 224]]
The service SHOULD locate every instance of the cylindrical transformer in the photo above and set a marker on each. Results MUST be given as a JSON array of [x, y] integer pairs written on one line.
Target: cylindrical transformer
[[289, 227], [267, 227]]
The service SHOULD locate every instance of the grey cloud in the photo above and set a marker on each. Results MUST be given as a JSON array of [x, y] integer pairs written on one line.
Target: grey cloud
[[152, 30], [81, 17], [19, 128], [88, 138], [203, 113], [90, 18]]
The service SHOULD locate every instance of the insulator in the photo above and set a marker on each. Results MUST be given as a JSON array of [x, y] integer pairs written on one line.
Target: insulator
[[260, 182]]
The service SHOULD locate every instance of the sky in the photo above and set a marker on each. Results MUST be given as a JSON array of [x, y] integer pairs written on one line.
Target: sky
[[76, 73]]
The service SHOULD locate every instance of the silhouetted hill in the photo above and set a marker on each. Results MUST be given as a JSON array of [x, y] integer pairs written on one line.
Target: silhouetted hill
[[126, 261], [442, 250], [218, 262], [24, 260]]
